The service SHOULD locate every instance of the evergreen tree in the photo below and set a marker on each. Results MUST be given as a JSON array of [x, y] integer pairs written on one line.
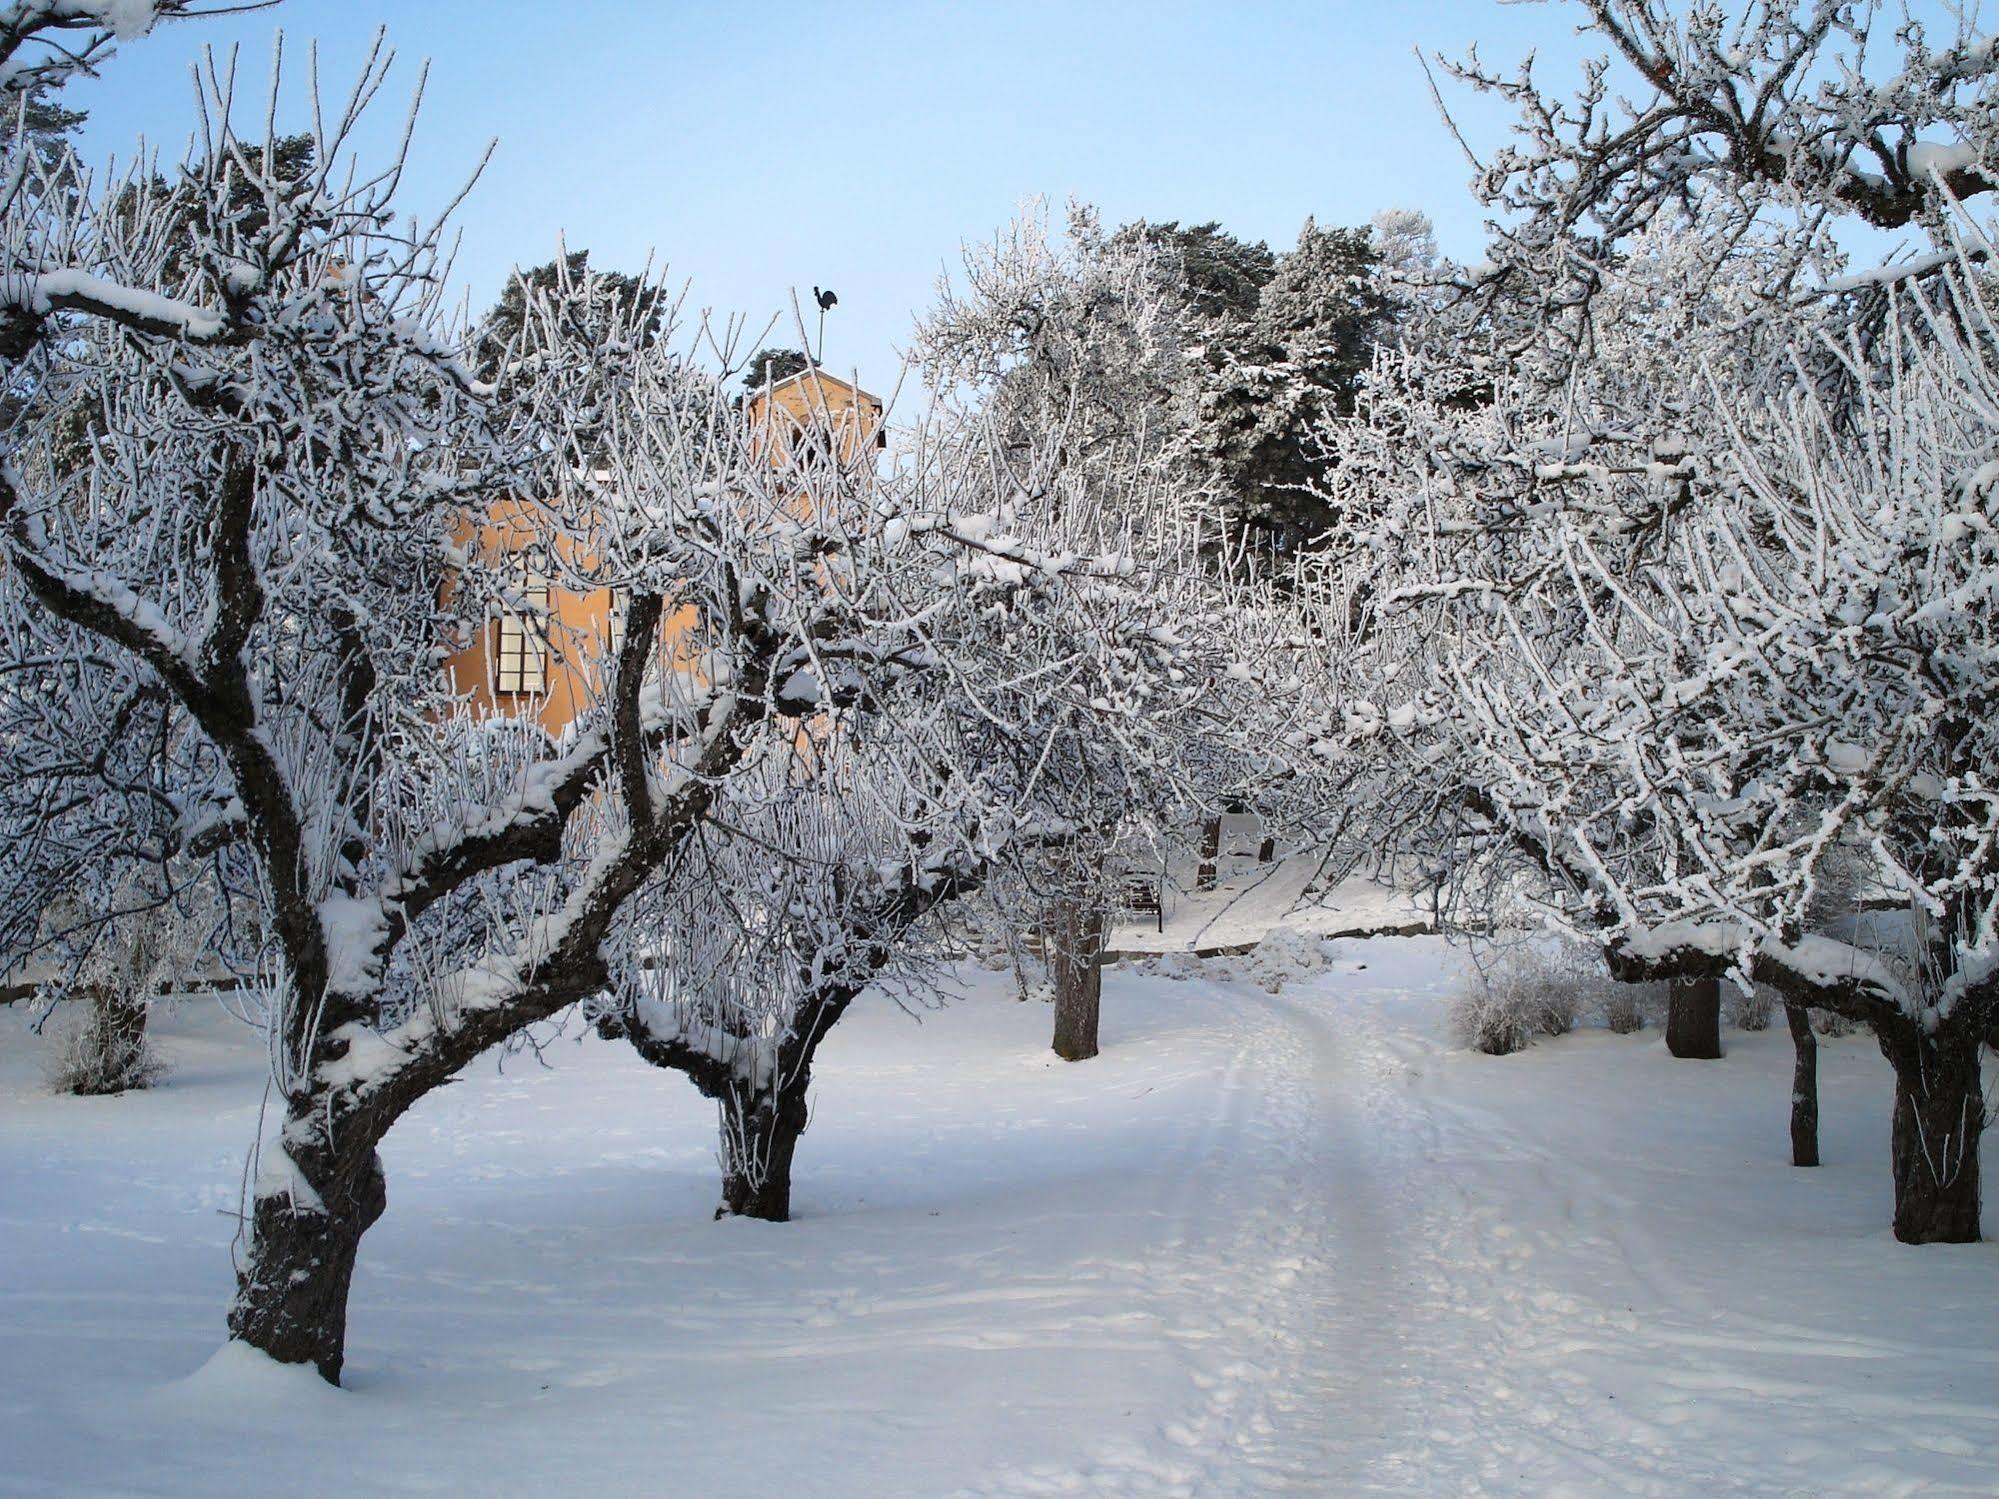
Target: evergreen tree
[[46, 129], [772, 365], [1219, 276], [49, 128], [243, 189], [501, 326], [292, 159], [1406, 241], [1278, 375]]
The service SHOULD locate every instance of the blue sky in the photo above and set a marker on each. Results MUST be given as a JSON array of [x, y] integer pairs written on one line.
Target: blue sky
[[857, 146]]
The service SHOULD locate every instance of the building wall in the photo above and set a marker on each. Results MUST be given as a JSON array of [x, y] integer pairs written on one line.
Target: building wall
[[813, 399], [579, 626]]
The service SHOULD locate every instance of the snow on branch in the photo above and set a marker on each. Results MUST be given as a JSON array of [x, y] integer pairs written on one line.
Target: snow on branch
[[79, 291], [1758, 671]]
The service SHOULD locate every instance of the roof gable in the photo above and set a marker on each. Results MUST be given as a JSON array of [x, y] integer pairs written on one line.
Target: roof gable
[[820, 378]]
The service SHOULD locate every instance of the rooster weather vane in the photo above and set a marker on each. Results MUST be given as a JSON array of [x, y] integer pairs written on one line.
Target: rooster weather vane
[[827, 301]]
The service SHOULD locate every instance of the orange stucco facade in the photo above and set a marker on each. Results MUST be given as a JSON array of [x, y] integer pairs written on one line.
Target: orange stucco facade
[[811, 402], [573, 632]]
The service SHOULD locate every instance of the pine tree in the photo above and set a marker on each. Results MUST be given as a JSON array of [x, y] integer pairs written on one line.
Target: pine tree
[[501, 326], [49, 128], [1278, 375], [1218, 277], [1406, 241], [772, 365]]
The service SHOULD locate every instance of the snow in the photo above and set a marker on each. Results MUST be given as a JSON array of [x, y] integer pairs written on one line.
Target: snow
[[239, 1376], [43, 292], [1819, 960], [107, 589], [1251, 899], [1265, 1244], [279, 1176], [1891, 274], [127, 20], [354, 927], [1926, 157]]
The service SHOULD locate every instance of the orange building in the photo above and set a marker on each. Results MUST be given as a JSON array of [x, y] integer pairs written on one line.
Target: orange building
[[549, 660], [814, 407]]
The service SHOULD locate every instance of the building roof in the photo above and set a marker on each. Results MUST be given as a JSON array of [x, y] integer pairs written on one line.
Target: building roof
[[818, 376]]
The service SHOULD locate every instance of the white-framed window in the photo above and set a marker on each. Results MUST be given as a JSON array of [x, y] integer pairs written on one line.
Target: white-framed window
[[520, 645]]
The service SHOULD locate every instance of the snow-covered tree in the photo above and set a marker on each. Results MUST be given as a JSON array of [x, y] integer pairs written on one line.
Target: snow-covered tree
[[1654, 487], [1270, 348], [1815, 109], [253, 530], [46, 43], [1079, 331], [1778, 125], [267, 520], [1088, 336], [500, 328], [823, 880], [1405, 241], [1216, 275], [1091, 339], [1276, 377], [109, 894], [1085, 686], [1679, 647]]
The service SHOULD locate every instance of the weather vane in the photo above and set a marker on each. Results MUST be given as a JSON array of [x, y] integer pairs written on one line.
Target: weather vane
[[826, 301]]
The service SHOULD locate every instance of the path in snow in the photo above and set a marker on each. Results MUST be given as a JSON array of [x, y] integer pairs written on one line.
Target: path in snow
[[1294, 1275], [1266, 1244], [1253, 1280], [1384, 1284]]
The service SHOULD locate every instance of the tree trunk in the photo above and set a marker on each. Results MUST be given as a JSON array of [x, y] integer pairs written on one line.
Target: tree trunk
[[1211, 852], [1939, 1114], [759, 1136], [1079, 978], [1804, 1087], [121, 1015], [291, 1294], [1693, 1019]]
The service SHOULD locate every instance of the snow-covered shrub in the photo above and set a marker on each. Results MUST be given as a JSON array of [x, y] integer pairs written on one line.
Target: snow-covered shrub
[[1568, 977], [1558, 1011], [117, 971], [994, 929], [1496, 1018], [1694, 566], [1621, 1008], [1750, 1009], [106, 1050], [1525, 991]]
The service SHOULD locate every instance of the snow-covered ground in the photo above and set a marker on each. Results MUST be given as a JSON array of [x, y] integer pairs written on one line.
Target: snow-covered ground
[[1253, 899], [1266, 1244], [1250, 899]]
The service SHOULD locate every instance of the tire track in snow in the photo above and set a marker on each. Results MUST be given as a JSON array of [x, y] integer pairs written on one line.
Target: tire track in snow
[[1594, 1354], [1358, 1410], [1377, 1287], [1218, 1282], [1279, 1278]]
